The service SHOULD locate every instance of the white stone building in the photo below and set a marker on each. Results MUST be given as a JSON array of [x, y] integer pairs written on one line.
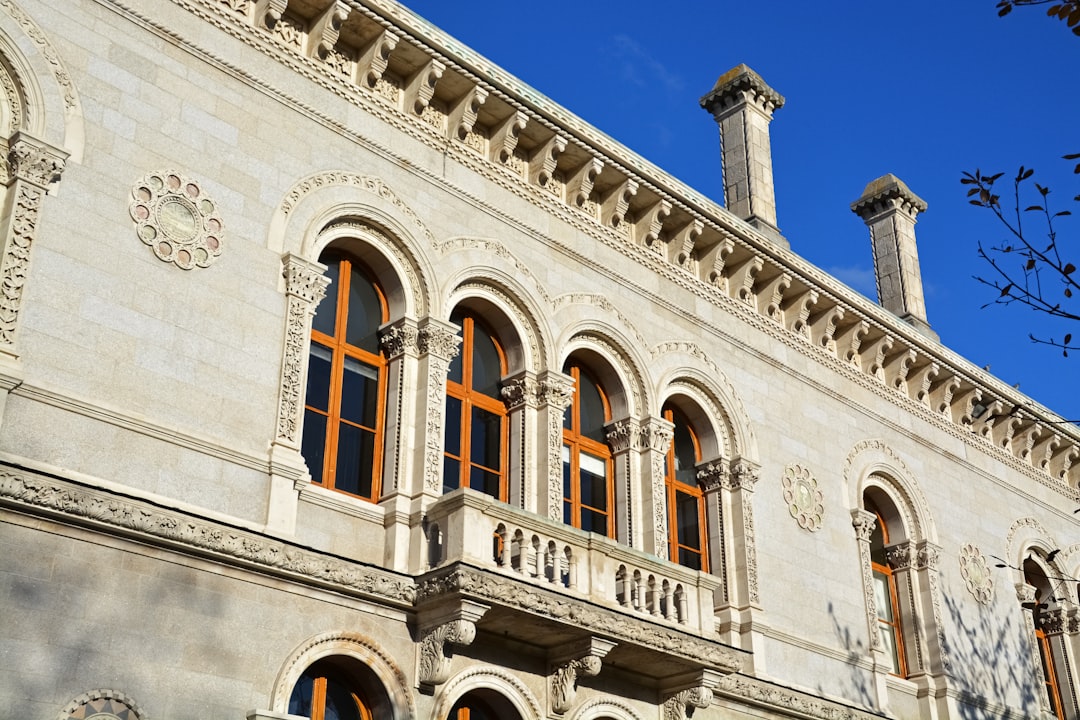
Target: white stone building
[[564, 439]]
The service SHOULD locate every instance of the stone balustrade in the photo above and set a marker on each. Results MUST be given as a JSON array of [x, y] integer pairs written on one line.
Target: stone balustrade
[[470, 527]]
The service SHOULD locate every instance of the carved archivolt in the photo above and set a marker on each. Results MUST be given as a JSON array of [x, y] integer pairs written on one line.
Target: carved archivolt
[[176, 219], [102, 705], [975, 570], [525, 321], [488, 678], [354, 645], [803, 498], [872, 463], [715, 393], [630, 376]]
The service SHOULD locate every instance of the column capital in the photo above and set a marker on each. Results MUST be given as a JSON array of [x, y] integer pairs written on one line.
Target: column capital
[[304, 278], [35, 161], [439, 338], [738, 86]]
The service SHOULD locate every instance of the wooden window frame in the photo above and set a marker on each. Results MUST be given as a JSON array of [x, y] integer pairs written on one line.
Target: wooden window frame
[[471, 398], [673, 486], [578, 443], [318, 695], [896, 625], [1050, 681], [339, 350]]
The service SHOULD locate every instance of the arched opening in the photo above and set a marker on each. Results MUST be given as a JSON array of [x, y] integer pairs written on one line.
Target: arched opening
[[685, 502], [1035, 576], [483, 704], [338, 688], [588, 493], [886, 602]]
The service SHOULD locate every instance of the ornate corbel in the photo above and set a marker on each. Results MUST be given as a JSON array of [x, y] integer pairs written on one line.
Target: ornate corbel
[[680, 704], [455, 627], [682, 242], [797, 312], [504, 136], [322, 34], [648, 224], [420, 88], [616, 202], [543, 159], [583, 661], [463, 114], [373, 60], [266, 13], [579, 184]]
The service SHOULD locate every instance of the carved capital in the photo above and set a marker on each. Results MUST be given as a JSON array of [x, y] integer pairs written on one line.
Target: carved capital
[[1053, 622], [434, 653], [35, 162], [1025, 593], [927, 556], [556, 390], [622, 435], [400, 338], [712, 476], [522, 390], [304, 279], [744, 475], [656, 435], [900, 556], [864, 522], [440, 341]]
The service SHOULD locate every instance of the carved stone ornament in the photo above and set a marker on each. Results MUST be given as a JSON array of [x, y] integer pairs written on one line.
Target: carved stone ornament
[[975, 570], [682, 705], [175, 218], [803, 498], [564, 680], [102, 705], [434, 658]]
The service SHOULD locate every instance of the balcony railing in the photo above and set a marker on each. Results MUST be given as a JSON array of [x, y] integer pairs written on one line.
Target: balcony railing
[[467, 526]]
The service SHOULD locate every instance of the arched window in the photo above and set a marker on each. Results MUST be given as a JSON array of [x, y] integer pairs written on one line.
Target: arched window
[[885, 598], [587, 488], [472, 708], [346, 384], [327, 692], [686, 506], [1036, 577], [475, 453]]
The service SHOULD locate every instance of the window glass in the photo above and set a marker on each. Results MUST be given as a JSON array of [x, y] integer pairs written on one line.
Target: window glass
[[325, 692], [326, 313], [487, 368], [593, 417], [587, 489], [686, 505], [365, 313]]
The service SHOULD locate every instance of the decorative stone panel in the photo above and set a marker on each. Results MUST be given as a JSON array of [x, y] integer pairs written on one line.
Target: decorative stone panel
[[976, 573], [174, 217], [803, 497]]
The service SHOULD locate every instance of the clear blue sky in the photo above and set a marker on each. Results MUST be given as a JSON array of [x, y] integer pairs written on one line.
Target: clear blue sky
[[920, 89]]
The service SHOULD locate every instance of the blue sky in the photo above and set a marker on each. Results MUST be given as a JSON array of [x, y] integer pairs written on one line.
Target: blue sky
[[924, 90]]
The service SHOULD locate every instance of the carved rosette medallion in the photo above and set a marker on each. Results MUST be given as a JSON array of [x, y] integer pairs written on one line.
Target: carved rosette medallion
[[803, 498], [175, 218], [975, 570], [102, 705]]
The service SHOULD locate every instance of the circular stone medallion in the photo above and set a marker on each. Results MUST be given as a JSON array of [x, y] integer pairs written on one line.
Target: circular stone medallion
[[803, 498], [176, 220]]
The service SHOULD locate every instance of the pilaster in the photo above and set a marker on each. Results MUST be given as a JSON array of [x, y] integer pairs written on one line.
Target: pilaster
[[554, 394]]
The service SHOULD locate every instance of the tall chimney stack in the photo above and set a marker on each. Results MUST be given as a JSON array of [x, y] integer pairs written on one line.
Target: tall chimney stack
[[743, 106], [889, 209]]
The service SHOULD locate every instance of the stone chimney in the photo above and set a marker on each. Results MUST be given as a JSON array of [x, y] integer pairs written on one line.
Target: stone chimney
[[889, 209], [743, 106]]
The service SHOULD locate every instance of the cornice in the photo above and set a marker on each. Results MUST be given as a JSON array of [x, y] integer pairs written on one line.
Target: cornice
[[1058, 444], [68, 501]]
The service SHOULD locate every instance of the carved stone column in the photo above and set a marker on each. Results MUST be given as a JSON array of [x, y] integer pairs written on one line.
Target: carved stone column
[[439, 344], [554, 396], [901, 558], [864, 523], [928, 597], [585, 660], [742, 477], [521, 394], [305, 287], [712, 477], [1055, 623], [655, 439], [400, 343], [624, 437], [31, 166]]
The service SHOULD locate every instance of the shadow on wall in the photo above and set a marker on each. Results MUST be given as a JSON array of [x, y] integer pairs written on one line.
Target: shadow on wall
[[861, 682], [990, 660]]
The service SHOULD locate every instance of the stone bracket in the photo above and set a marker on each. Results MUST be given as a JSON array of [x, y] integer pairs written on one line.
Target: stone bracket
[[695, 692], [584, 660], [452, 625]]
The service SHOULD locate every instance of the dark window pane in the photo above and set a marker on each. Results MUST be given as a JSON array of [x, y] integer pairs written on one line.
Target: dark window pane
[[300, 700], [325, 314], [360, 393], [877, 544], [566, 486], [685, 452], [486, 368], [486, 440], [486, 482], [686, 512], [340, 704], [592, 410], [593, 481], [313, 444], [318, 377], [356, 453], [365, 313], [453, 426], [689, 559], [451, 474], [593, 521]]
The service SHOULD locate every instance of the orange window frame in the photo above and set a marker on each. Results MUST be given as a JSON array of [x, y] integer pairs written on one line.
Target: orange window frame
[[674, 486], [895, 626], [1053, 692], [471, 398], [578, 443], [339, 350], [318, 701]]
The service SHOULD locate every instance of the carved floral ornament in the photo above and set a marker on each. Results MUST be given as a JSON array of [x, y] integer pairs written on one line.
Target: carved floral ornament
[[803, 497], [175, 218], [976, 573], [102, 705]]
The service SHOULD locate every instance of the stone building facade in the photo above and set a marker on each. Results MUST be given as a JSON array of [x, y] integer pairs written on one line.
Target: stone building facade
[[345, 376]]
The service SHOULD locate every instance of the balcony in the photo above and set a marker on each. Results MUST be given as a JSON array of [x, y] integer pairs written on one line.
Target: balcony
[[518, 575]]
